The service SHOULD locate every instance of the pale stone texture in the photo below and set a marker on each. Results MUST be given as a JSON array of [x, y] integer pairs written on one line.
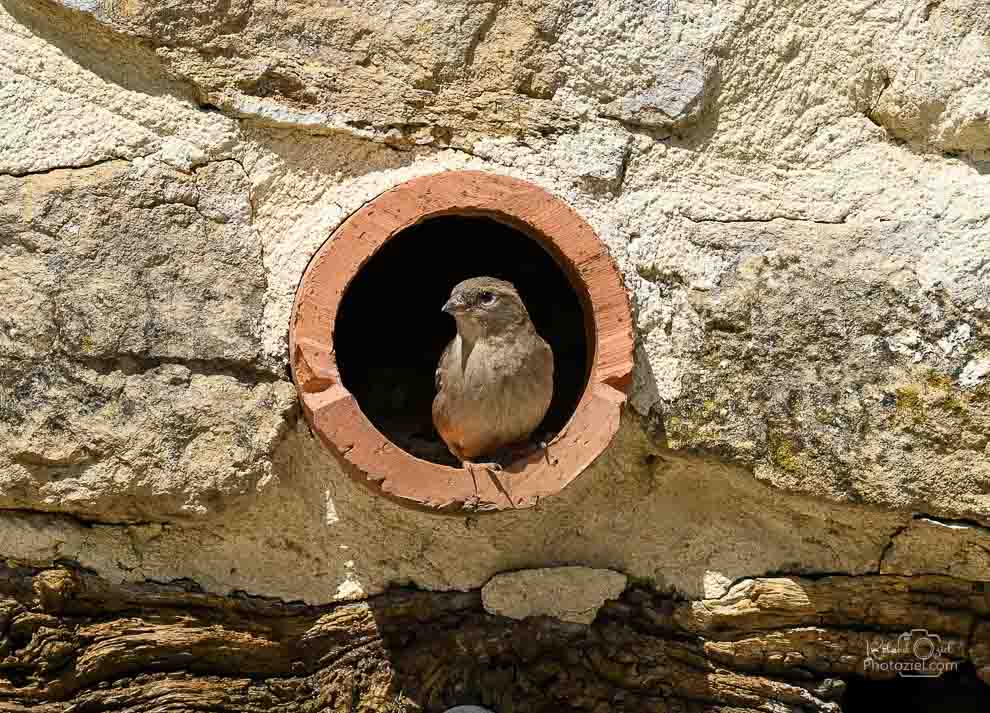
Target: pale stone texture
[[810, 276], [871, 421], [573, 594], [938, 82], [138, 260], [113, 442], [129, 383], [73, 96], [312, 533]]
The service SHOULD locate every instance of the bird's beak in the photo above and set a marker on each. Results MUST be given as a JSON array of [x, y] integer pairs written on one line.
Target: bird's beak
[[453, 306]]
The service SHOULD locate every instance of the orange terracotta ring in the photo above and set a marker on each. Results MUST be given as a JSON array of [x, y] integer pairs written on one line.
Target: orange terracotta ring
[[336, 417]]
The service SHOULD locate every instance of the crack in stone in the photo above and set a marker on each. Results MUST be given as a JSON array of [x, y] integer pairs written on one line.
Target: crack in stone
[[131, 364], [729, 221], [244, 372], [953, 522], [82, 521], [922, 517], [887, 81], [53, 169], [247, 177], [481, 33], [890, 543], [623, 167]]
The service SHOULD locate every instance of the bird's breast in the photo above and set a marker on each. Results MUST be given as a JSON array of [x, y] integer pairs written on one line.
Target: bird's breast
[[498, 394]]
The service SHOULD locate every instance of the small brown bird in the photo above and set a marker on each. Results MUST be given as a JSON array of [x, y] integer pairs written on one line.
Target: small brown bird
[[495, 378]]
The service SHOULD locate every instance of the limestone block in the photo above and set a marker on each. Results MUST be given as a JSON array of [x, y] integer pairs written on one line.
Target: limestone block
[[120, 259], [573, 594], [808, 272]]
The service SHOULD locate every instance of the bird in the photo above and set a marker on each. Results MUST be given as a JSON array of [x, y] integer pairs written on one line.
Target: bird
[[494, 381]]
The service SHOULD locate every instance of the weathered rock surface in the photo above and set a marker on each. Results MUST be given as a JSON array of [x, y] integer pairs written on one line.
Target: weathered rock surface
[[823, 328], [415, 72], [132, 260], [928, 546], [130, 387], [314, 534], [73, 96], [112, 442], [828, 369], [796, 194], [937, 85], [572, 594]]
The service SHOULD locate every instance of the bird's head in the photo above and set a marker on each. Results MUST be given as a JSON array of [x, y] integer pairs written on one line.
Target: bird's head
[[485, 305]]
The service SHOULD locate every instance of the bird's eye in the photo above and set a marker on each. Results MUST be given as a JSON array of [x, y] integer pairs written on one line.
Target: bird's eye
[[487, 298]]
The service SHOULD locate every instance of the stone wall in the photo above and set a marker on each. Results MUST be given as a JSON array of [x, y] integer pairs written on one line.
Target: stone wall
[[796, 193]]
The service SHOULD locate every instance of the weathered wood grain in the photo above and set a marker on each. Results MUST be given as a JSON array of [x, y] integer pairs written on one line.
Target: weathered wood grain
[[72, 641]]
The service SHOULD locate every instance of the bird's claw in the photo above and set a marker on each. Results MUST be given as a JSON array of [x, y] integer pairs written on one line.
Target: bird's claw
[[493, 467], [545, 447]]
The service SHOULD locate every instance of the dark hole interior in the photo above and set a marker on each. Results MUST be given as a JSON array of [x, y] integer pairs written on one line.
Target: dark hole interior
[[959, 691], [390, 329]]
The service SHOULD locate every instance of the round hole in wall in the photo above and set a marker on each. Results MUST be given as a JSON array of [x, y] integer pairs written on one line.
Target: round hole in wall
[[367, 331], [390, 331]]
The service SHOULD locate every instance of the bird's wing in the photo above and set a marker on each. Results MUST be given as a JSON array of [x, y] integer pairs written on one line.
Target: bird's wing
[[442, 366], [441, 405], [547, 353]]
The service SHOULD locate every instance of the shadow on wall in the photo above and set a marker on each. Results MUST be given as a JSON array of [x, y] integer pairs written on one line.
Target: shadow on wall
[[632, 658], [957, 691]]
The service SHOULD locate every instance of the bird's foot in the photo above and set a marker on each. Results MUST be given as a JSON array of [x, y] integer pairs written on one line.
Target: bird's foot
[[546, 438], [493, 467], [519, 451]]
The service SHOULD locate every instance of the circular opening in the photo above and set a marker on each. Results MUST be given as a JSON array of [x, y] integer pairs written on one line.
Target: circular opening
[[390, 330], [367, 332]]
